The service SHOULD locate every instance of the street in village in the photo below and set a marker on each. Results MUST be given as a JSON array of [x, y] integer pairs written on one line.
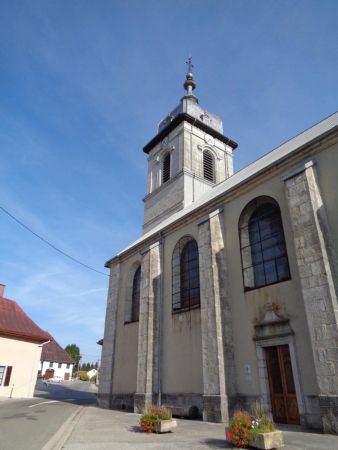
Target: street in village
[[65, 416], [28, 424]]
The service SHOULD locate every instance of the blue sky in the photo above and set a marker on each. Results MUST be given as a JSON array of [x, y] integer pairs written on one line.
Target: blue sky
[[83, 85]]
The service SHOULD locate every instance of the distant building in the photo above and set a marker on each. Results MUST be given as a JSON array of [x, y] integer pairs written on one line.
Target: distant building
[[55, 361], [21, 342], [92, 373], [230, 295]]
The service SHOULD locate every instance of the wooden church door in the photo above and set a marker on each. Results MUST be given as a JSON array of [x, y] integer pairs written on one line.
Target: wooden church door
[[282, 386]]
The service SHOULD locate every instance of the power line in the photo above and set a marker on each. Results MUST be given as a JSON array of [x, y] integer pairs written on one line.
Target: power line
[[51, 245]]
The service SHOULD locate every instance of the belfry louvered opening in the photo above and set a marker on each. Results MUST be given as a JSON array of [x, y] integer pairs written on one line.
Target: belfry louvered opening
[[208, 166], [166, 168]]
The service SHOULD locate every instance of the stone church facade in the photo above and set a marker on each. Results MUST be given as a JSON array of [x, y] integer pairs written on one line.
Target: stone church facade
[[230, 295]]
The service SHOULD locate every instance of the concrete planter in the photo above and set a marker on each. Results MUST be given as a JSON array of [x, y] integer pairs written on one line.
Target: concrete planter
[[268, 441], [165, 426]]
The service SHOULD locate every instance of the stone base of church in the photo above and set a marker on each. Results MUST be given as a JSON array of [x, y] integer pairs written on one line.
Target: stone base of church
[[103, 400], [124, 402], [328, 405], [215, 409], [184, 405], [321, 413], [143, 401], [242, 402]]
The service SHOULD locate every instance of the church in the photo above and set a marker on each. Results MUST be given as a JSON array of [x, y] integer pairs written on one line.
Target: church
[[230, 295]]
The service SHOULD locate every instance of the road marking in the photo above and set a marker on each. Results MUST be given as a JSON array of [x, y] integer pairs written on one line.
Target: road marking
[[42, 403], [60, 438]]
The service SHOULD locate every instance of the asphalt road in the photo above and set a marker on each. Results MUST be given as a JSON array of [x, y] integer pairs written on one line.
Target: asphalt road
[[29, 424]]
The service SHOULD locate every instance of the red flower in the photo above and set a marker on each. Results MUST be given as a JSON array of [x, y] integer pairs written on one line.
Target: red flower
[[230, 436]]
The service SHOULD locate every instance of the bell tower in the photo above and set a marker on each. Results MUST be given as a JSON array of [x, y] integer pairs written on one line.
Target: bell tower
[[188, 156]]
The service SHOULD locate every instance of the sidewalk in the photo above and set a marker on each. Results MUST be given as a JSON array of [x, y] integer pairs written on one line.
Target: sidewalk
[[93, 428]]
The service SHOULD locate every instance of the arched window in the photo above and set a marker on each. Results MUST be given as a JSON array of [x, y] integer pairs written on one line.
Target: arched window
[[263, 249], [135, 299], [166, 168], [208, 166], [186, 283]]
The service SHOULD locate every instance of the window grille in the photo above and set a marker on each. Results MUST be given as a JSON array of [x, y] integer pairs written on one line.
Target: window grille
[[166, 168], [135, 301], [208, 166], [186, 284], [263, 248]]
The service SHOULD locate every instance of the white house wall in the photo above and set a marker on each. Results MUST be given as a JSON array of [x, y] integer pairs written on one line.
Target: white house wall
[[24, 357], [58, 371]]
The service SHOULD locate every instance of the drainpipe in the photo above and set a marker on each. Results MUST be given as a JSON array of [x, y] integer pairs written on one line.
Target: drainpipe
[[160, 314]]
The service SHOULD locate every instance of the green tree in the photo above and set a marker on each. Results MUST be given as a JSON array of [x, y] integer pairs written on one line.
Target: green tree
[[74, 351]]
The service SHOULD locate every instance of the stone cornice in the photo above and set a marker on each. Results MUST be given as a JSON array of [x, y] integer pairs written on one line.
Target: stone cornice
[[193, 121]]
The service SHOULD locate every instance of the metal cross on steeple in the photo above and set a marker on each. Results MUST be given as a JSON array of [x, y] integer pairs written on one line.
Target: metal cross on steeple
[[190, 64], [189, 84]]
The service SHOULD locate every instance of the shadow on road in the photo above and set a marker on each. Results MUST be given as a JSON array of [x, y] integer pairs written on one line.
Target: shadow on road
[[76, 392], [217, 443]]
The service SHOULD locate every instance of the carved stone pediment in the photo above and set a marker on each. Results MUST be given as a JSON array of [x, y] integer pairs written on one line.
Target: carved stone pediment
[[272, 325]]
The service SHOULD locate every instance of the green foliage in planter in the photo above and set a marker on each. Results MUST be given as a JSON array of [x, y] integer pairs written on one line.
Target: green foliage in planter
[[153, 415], [243, 427], [261, 422]]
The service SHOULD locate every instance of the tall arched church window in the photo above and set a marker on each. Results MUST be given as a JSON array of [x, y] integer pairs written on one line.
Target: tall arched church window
[[263, 248], [208, 166], [136, 294], [166, 168], [185, 272]]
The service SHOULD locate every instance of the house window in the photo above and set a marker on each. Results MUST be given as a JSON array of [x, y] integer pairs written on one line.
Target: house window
[[185, 272], [263, 248], [51, 364], [2, 373], [68, 366], [208, 166], [135, 301], [166, 168], [133, 294], [59, 365]]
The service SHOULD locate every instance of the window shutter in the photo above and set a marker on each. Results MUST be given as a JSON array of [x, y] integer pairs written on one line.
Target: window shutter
[[8, 375]]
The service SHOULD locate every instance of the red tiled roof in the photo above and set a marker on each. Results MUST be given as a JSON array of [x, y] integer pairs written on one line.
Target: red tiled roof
[[54, 352], [15, 322]]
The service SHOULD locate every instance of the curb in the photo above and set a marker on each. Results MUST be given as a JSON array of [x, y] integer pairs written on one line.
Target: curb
[[57, 441]]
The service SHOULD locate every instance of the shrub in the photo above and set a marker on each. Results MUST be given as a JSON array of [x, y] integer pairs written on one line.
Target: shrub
[[153, 415], [243, 427], [84, 377], [239, 431]]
